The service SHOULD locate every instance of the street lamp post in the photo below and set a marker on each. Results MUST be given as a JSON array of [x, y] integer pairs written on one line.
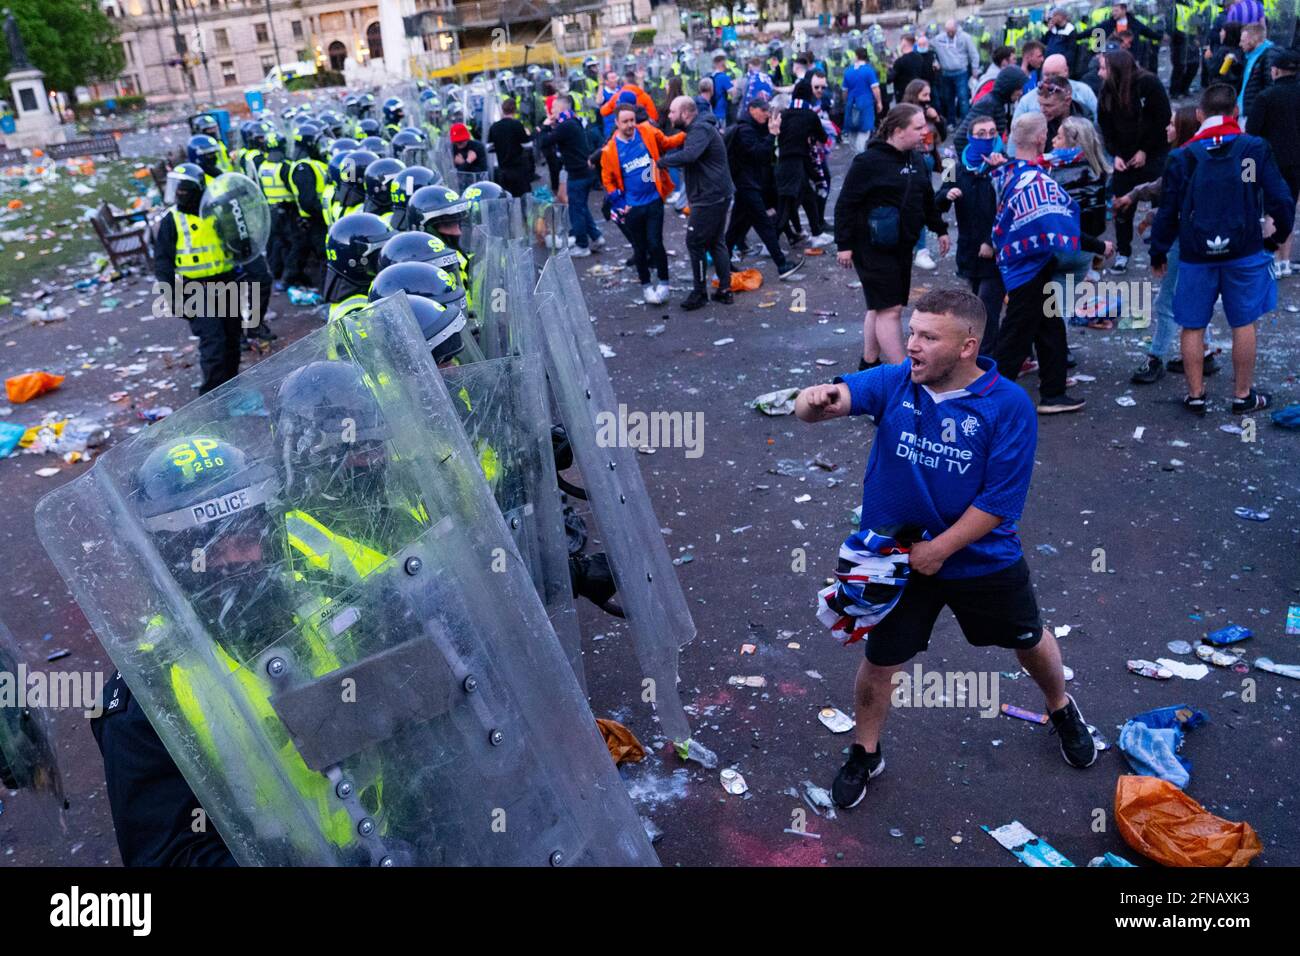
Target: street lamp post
[[180, 55], [203, 53], [274, 40]]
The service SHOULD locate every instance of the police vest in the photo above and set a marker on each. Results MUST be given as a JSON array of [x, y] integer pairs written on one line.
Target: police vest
[[353, 303], [199, 692], [270, 175], [223, 158], [488, 460], [199, 252], [390, 130], [318, 168], [336, 211]]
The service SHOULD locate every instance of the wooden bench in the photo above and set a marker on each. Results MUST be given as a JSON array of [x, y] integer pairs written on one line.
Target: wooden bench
[[105, 145], [122, 235]]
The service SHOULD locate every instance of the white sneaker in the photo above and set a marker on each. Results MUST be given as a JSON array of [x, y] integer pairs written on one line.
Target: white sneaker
[[1284, 268], [573, 241], [673, 198], [662, 291], [598, 244], [823, 239], [579, 252], [651, 295], [924, 260]]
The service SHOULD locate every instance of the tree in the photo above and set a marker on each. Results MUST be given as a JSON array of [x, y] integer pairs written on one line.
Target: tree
[[71, 41]]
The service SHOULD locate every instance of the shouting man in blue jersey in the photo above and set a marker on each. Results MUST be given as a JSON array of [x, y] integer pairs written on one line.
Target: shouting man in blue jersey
[[953, 455]]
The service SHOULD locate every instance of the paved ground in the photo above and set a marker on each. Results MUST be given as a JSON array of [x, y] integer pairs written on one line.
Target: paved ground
[[1161, 506]]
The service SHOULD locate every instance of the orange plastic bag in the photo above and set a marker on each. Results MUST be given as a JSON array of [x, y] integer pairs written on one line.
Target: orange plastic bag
[[745, 280], [622, 743], [1163, 823], [23, 388]]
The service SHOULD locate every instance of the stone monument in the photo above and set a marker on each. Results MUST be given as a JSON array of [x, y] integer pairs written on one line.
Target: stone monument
[[36, 124]]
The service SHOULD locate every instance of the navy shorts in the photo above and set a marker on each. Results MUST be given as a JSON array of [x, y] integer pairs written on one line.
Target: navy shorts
[[993, 610]]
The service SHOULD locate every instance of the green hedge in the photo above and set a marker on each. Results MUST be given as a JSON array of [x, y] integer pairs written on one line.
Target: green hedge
[[314, 81], [124, 104], [644, 37]]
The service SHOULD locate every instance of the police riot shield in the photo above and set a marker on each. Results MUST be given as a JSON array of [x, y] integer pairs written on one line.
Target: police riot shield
[[547, 221], [241, 215], [502, 287], [306, 582], [648, 589], [28, 758], [502, 218], [506, 416], [440, 159]]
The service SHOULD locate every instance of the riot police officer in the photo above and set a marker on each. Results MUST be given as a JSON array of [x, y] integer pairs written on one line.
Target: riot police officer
[[352, 260]]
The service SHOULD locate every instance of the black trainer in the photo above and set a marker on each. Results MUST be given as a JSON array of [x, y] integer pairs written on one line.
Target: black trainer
[[1149, 372], [1208, 368], [1196, 404], [1077, 746], [726, 298], [1060, 403], [1253, 402], [698, 299], [850, 784], [863, 364], [790, 268]]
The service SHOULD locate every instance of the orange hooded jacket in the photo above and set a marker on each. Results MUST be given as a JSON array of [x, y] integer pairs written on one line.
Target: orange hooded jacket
[[611, 170]]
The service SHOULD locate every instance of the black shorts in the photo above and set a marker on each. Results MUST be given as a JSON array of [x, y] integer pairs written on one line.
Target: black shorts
[[886, 277], [993, 610], [1292, 176]]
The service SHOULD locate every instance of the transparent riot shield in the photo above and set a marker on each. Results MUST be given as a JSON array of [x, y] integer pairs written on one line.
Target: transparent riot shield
[[648, 589], [462, 181], [547, 221], [502, 218], [502, 288], [241, 216], [506, 416], [311, 591], [441, 161], [28, 757]]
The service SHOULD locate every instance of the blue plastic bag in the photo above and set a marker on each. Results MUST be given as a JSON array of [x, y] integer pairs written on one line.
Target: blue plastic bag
[[1151, 741], [10, 435]]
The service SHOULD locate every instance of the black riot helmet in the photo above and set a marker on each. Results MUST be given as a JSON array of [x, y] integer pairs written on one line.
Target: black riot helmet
[[330, 430], [353, 244], [420, 278], [202, 495], [204, 151], [405, 183], [369, 127], [419, 247], [375, 144], [440, 212], [344, 144], [441, 327], [378, 180], [185, 185]]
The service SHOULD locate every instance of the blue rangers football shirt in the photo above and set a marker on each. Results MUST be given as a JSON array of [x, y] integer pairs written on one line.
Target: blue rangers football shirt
[[937, 453]]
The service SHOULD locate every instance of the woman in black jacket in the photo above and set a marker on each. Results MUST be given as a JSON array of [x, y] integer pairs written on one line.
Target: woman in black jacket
[[884, 203], [1132, 111]]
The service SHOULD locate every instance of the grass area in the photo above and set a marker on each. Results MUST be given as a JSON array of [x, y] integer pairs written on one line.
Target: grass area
[[57, 243]]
